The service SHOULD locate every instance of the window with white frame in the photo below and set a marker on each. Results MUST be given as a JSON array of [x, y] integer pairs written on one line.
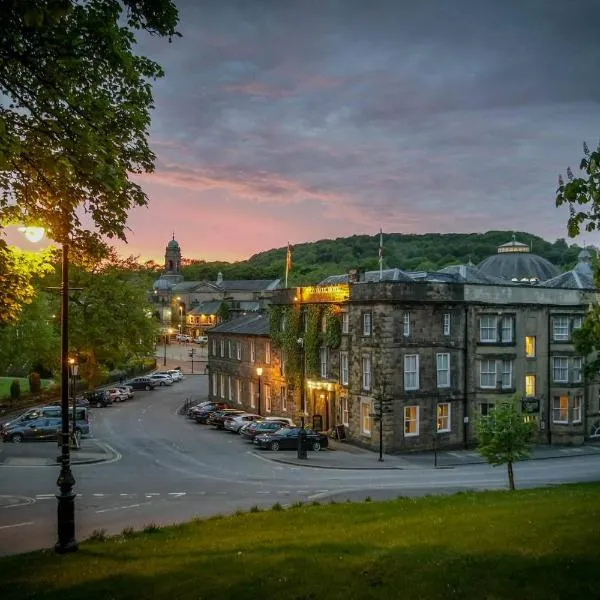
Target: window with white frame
[[411, 421], [222, 386], [344, 368], [560, 409], [486, 409], [443, 417], [577, 322], [488, 328], [345, 414], [214, 347], [239, 350], [323, 360], [560, 369], [366, 372], [406, 324], [487, 373], [268, 398], [530, 386], [560, 328], [577, 409], [215, 387], [229, 350], [367, 324], [446, 324], [442, 360], [252, 351], [283, 396], [268, 353], [238, 391], [230, 388], [222, 347], [506, 374], [345, 323], [577, 366], [506, 329], [252, 394], [411, 372], [365, 417]]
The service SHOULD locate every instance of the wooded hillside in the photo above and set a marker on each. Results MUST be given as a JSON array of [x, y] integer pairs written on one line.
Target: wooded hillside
[[314, 261]]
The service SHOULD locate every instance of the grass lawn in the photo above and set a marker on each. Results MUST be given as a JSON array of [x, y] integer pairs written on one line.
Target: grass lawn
[[531, 544], [5, 383]]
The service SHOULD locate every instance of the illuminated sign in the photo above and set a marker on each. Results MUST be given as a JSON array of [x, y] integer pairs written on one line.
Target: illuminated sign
[[323, 293]]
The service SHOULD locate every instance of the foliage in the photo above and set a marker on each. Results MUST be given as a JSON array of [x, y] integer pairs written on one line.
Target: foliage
[[538, 544], [75, 105], [291, 350], [312, 339], [15, 389], [431, 252], [223, 313], [276, 315], [35, 383], [582, 194], [333, 335], [504, 437]]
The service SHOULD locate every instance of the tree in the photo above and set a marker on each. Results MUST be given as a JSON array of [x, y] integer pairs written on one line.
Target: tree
[[75, 106], [582, 191], [504, 437]]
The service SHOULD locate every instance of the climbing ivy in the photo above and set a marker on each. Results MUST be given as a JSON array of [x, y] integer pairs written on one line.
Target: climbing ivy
[[313, 338], [292, 318], [333, 336], [276, 315]]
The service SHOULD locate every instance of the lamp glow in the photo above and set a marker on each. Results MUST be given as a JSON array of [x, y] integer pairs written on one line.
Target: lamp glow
[[33, 234]]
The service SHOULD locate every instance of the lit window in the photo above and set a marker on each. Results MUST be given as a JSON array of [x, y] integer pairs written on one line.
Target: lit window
[[577, 409], [238, 391], [446, 323], [323, 361], [268, 353], [411, 420], [345, 410], [443, 369], [411, 372], [283, 396], [366, 372], [577, 369], [406, 325], [252, 351], [488, 328], [344, 367], [345, 323], [506, 376], [367, 325], [530, 346], [560, 409], [530, 386], [267, 398], [487, 373], [365, 417], [560, 369], [443, 417], [560, 329]]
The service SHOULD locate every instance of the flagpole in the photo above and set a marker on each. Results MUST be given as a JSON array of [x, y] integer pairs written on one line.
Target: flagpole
[[286, 271], [380, 254]]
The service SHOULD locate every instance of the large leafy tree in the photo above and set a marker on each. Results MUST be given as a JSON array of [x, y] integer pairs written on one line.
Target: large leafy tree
[[504, 437], [75, 103]]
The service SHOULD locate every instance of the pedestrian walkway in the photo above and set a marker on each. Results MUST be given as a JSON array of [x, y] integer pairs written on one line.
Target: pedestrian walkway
[[39, 454]]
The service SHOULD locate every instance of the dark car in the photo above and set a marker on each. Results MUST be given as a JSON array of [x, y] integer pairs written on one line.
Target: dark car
[[42, 429], [50, 411], [201, 416], [193, 410], [142, 383], [217, 418], [98, 398], [287, 439], [258, 427]]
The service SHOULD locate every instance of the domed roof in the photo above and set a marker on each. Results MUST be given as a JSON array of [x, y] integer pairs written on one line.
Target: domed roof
[[162, 284], [173, 244], [515, 262]]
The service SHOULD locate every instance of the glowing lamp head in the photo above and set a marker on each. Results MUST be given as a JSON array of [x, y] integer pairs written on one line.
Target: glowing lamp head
[[33, 234], [259, 371]]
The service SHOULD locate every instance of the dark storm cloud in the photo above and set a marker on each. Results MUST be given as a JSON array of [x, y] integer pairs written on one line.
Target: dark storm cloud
[[430, 115]]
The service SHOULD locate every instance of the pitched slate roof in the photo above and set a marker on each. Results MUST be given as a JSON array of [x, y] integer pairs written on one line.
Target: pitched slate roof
[[210, 307], [471, 274], [579, 278], [254, 324], [248, 285], [369, 277]]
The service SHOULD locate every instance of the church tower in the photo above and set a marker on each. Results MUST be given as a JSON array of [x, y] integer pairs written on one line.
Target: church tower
[[173, 258]]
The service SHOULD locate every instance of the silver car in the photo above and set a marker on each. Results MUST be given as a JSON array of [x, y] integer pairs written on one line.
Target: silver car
[[236, 422], [161, 379]]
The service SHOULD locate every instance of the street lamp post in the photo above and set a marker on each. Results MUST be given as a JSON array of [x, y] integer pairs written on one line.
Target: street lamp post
[[259, 372], [166, 335], [73, 369], [301, 450]]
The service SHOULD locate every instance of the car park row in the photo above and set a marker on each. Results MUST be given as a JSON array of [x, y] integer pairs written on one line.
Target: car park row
[[270, 433]]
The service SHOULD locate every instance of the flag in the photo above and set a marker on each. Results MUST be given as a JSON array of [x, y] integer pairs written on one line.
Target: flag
[[380, 245], [288, 258]]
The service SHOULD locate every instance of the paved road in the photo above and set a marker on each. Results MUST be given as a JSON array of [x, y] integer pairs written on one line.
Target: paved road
[[169, 469]]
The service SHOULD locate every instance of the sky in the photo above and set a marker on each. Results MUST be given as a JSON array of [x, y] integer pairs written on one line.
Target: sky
[[297, 120]]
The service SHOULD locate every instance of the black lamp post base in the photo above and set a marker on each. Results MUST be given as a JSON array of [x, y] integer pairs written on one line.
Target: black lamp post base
[[66, 523]]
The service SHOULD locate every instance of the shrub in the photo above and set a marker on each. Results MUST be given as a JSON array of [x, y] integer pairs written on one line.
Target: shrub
[[35, 383], [98, 535], [15, 389]]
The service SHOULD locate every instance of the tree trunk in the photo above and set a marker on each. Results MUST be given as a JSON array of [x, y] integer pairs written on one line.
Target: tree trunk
[[511, 476]]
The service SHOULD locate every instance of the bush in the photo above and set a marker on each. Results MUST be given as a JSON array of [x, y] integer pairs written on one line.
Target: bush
[[15, 389], [35, 383]]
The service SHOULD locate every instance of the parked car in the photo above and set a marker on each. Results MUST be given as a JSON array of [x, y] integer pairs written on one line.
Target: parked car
[[287, 439], [285, 420], [217, 418], [201, 339], [236, 422], [201, 416], [127, 389], [117, 394], [42, 429], [161, 379], [258, 427], [182, 337], [82, 418], [176, 374], [98, 398], [142, 383]]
